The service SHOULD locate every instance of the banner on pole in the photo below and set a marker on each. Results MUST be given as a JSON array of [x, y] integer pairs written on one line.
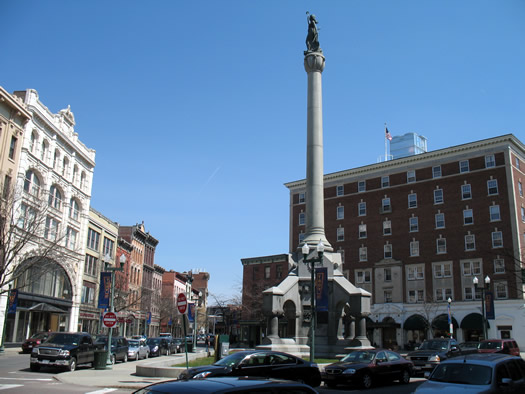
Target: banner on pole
[[191, 312], [321, 289], [490, 313], [13, 301], [105, 290]]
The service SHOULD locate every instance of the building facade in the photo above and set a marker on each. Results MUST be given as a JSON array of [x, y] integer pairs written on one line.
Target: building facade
[[416, 231]]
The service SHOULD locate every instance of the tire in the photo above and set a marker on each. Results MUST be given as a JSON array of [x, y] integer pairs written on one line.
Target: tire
[[35, 367], [405, 377], [366, 381], [137, 357], [125, 358], [72, 364], [113, 359]]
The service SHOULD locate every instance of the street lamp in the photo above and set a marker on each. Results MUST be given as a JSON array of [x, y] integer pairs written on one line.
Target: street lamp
[[483, 290], [305, 249], [106, 260], [450, 326], [196, 323]]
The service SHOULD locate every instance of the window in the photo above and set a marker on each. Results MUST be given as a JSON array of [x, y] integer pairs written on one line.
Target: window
[[32, 142], [412, 200], [492, 186], [255, 273], [413, 224], [279, 271], [340, 190], [442, 270], [88, 294], [7, 186], [415, 272], [363, 253], [388, 296], [522, 214], [490, 161], [494, 213], [520, 188], [387, 227], [443, 294], [340, 212], [32, 183], [83, 180], [43, 152], [468, 217], [385, 205], [466, 193], [74, 210], [93, 239], [362, 231], [361, 186], [51, 230], [436, 172], [467, 294], [267, 272], [441, 245], [414, 248], [497, 239], [363, 276], [27, 217], [501, 290], [302, 218], [387, 250], [55, 198], [471, 268], [108, 247], [301, 237], [517, 163], [387, 272], [75, 174], [361, 208], [90, 266], [302, 198], [440, 220], [499, 266], [71, 238], [12, 148], [56, 159], [438, 196], [65, 166], [411, 176], [385, 181], [470, 242], [464, 166], [340, 234]]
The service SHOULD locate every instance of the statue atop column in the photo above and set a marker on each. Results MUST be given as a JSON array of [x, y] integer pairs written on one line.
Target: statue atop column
[[312, 39]]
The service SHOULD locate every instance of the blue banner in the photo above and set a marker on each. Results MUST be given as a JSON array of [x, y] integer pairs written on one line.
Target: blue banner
[[13, 301], [490, 313], [321, 289], [191, 313], [149, 318], [104, 290]]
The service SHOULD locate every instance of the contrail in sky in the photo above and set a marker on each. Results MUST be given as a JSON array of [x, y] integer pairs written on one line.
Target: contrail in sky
[[210, 178]]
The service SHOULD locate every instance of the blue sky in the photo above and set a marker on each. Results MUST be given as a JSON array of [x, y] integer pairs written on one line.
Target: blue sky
[[197, 109]]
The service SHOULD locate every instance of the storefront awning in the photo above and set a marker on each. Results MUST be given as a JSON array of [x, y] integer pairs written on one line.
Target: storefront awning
[[43, 307], [441, 323], [415, 322], [473, 321]]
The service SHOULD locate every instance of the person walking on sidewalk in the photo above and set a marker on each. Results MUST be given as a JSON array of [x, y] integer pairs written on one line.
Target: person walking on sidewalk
[[207, 343]]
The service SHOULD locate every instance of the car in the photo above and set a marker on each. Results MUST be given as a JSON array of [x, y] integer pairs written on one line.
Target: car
[[179, 345], [158, 346], [137, 349], [119, 347], [223, 385], [366, 367], [477, 373], [268, 364], [34, 340], [469, 345], [507, 346]]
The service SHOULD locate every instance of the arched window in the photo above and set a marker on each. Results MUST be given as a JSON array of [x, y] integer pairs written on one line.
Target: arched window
[[65, 165], [56, 160], [43, 152], [33, 141], [45, 277], [83, 180], [55, 198], [75, 174], [74, 209], [32, 183]]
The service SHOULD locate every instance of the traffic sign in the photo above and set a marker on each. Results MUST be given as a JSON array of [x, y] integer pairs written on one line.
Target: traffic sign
[[182, 303], [109, 319]]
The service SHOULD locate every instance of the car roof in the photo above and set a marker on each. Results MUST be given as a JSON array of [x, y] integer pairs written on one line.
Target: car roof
[[480, 358]]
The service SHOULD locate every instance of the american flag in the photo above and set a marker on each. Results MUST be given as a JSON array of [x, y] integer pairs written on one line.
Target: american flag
[[387, 135]]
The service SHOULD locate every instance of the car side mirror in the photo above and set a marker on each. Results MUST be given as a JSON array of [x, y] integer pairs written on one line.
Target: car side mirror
[[454, 348], [505, 381], [426, 375]]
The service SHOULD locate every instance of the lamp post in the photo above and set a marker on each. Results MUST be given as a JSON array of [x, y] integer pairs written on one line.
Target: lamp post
[[196, 323], [305, 249], [483, 289], [107, 259], [450, 325]]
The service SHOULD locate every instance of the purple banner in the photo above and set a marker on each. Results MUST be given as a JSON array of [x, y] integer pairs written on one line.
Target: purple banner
[[321, 289], [490, 314], [104, 290]]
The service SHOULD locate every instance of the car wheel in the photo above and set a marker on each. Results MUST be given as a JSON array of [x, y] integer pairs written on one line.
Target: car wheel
[[72, 364], [366, 381], [113, 359], [405, 377], [137, 357], [147, 355], [125, 358], [35, 367]]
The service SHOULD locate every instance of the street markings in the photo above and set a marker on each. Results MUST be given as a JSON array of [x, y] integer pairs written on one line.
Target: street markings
[[101, 391], [9, 386]]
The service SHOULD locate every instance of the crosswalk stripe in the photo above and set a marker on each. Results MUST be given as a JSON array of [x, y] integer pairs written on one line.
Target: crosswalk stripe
[[9, 386], [101, 391]]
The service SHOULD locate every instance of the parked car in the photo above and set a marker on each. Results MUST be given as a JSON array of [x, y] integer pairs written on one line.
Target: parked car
[[119, 347], [158, 346], [179, 345], [507, 346], [137, 349], [139, 337], [267, 364], [477, 373], [63, 350], [365, 367], [469, 345], [34, 341], [222, 385]]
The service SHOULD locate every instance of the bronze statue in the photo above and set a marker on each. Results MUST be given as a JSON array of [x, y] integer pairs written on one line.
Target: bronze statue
[[312, 39]]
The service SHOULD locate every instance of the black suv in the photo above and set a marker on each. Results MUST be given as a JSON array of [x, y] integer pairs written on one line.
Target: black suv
[[63, 350], [119, 347], [159, 346]]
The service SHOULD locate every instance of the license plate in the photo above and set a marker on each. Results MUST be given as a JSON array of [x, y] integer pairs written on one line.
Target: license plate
[[417, 368], [45, 361]]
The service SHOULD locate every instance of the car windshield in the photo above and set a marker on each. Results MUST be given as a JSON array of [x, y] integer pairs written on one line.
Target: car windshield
[[153, 341], [434, 345], [490, 345], [133, 343], [359, 357], [462, 374], [231, 361], [64, 339], [39, 335]]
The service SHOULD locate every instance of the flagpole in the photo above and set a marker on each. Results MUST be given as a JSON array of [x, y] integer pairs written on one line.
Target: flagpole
[[386, 152]]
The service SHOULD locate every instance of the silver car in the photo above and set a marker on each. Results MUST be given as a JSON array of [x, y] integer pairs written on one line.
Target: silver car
[[477, 373], [137, 349]]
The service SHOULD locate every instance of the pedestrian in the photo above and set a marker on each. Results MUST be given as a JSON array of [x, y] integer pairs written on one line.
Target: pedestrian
[[207, 343]]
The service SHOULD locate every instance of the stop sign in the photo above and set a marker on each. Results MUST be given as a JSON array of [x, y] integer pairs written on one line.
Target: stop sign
[[182, 304], [109, 319]]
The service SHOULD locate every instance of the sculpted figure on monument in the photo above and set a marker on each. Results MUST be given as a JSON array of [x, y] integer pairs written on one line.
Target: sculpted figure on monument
[[312, 39]]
